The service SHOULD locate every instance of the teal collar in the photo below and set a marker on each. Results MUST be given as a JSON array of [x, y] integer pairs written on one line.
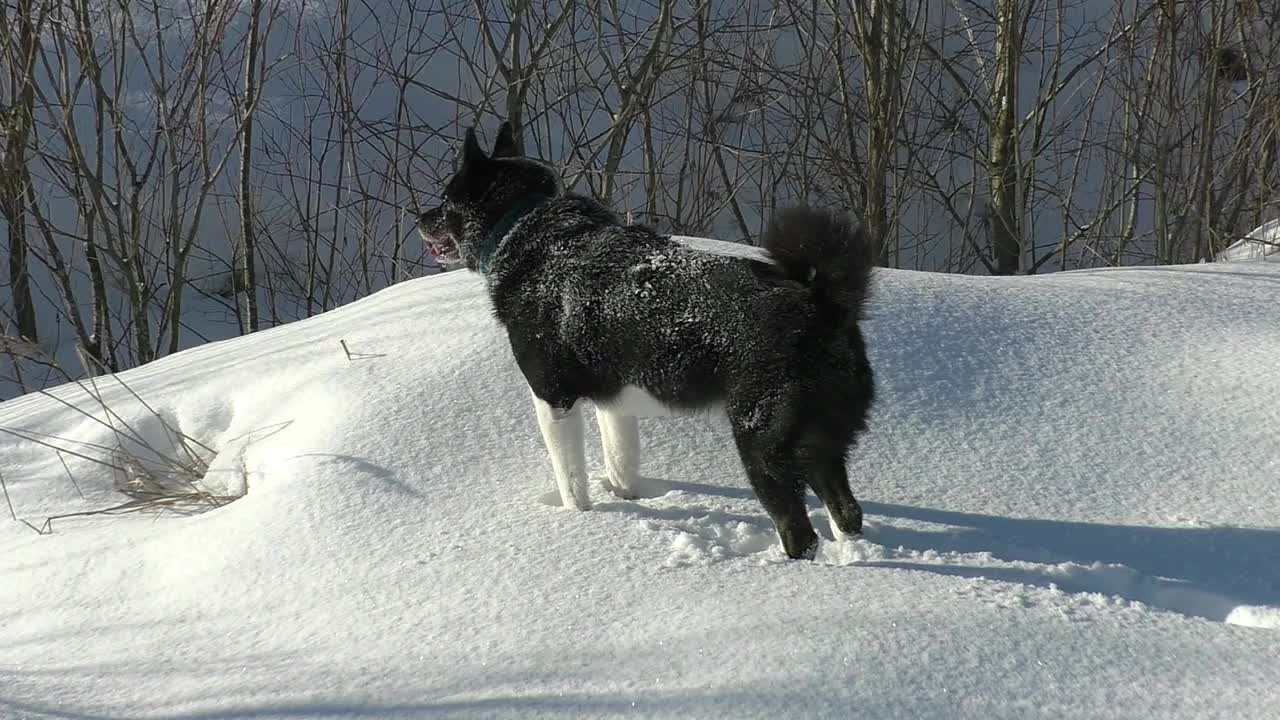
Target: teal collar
[[489, 246]]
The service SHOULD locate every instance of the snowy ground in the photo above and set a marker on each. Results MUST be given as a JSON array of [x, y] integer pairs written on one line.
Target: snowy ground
[[1261, 242], [1072, 485]]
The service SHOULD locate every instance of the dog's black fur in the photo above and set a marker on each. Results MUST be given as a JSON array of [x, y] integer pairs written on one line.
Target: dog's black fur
[[591, 306]]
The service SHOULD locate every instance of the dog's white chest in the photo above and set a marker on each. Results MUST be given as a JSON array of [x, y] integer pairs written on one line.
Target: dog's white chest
[[639, 402]]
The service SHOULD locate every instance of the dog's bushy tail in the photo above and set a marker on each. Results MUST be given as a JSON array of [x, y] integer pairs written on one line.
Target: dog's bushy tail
[[825, 250]]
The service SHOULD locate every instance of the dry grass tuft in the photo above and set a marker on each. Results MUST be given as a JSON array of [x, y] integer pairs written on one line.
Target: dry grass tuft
[[159, 472]]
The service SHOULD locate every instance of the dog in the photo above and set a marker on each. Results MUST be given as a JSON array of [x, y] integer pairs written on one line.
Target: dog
[[643, 324]]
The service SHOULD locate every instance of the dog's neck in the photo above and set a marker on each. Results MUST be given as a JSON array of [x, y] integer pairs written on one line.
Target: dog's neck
[[489, 247]]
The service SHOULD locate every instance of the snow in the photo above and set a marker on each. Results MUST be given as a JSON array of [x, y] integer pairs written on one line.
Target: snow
[[1261, 242], [1070, 484]]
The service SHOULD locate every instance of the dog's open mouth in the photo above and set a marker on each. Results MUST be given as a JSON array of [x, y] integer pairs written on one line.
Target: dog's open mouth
[[443, 249], [439, 240]]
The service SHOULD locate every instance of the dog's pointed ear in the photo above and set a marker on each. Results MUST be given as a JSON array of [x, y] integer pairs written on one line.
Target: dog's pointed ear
[[505, 145], [471, 151]]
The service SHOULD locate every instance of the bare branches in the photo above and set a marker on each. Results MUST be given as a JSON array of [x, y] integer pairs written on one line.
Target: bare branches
[[19, 50], [173, 173]]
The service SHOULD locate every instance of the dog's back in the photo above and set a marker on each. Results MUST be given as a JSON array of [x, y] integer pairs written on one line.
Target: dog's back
[[622, 305]]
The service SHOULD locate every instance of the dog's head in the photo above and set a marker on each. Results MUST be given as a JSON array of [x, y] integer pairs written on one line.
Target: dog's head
[[481, 193]]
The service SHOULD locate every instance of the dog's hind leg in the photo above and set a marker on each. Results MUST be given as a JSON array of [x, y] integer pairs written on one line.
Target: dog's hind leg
[[778, 478], [620, 436], [830, 482], [562, 432]]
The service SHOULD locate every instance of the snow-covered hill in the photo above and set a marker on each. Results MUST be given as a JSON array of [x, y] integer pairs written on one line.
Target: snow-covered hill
[[1263, 241], [1072, 486]]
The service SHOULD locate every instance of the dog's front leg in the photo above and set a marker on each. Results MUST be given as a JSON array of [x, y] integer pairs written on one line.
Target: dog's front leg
[[620, 436], [562, 432]]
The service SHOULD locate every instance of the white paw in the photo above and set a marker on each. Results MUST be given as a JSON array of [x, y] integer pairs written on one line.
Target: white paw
[[577, 495], [553, 498], [620, 490], [839, 535], [636, 488]]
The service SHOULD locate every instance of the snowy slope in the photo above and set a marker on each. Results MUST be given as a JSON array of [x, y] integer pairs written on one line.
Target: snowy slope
[[1072, 485], [1263, 241]]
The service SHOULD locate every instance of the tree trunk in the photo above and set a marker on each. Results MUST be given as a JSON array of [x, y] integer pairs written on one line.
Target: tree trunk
[[1006, 232], [880, 60], [19, 271], [248, 244], [13, 169]]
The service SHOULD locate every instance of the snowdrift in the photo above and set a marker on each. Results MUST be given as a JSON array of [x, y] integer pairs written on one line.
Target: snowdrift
[[1072, 486], [1262, 242]]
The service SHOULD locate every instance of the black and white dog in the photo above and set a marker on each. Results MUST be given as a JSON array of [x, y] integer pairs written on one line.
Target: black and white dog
[[643, 324]]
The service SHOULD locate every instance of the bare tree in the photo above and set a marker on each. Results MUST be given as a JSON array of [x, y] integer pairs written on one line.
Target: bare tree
[[1002, 160], [517, 68], [19, 49], [175, 172], [253, 71], [879, 33]]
